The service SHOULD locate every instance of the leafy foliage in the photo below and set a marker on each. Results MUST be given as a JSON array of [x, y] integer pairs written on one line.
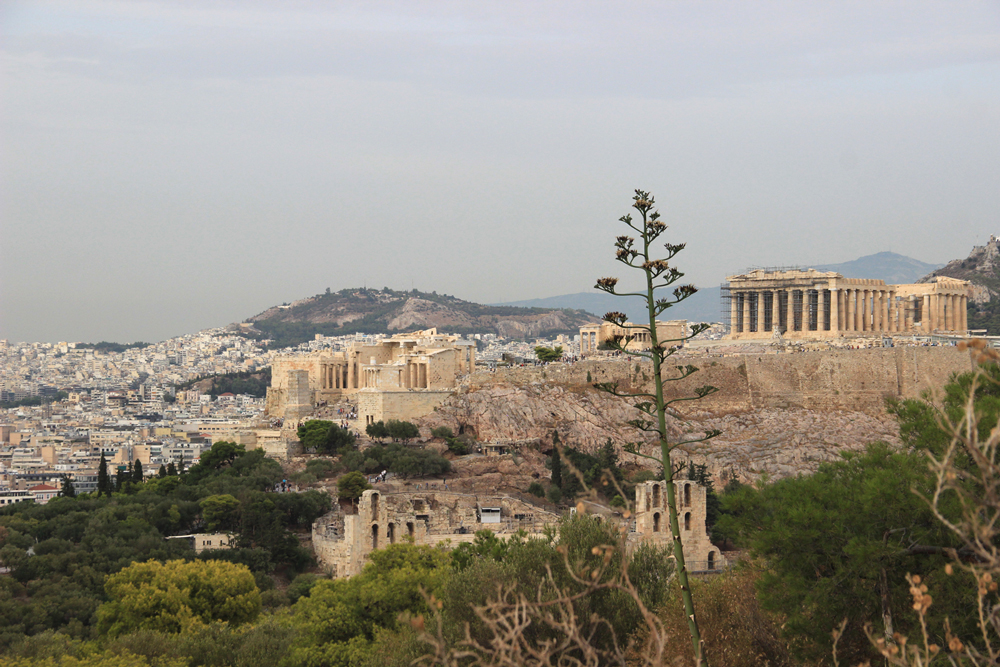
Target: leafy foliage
[[352, 485], [398, 459], [549, 353], [325, 437], [173, 596], [251, 383], [838, 544]]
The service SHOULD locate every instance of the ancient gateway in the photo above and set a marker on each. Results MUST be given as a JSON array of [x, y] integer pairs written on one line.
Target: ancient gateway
[[593, 335], [401, 377], [811, 304]]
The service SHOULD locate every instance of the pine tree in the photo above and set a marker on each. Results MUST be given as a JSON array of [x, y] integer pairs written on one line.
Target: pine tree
[[171, 469], [103, 480], [163, 471], [137, 471]]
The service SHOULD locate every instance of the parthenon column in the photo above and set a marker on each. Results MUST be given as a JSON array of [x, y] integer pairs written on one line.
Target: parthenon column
[[746, 312], [851, 311], [822, 320], [863, 310], [964, 313], [834, 310], [775, 310], [734, 302], [877, 310], [884, 313], [926, 318], [350, 372]]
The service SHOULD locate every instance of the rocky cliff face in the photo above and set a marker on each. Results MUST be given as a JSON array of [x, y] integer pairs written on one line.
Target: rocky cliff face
[[772, 442]]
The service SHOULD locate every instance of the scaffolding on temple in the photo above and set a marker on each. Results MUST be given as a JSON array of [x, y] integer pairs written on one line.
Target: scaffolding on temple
[[758, 308]]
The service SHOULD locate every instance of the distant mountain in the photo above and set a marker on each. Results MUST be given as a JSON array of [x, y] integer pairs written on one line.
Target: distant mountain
[[388, 311], [893, 268], [706, 305]]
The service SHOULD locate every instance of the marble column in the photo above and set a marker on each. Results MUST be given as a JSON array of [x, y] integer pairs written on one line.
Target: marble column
[[926, 318], [734, 304], [789, 311], [821, 320], [851, 311], [963, 312], [884, 313], [775, 310], [863, 310], [350, 372], [953, 312], [834, 310], [746, 312], [877, 310]]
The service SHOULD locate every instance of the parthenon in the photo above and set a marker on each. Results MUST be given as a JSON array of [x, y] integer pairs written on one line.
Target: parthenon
[[811, 304]]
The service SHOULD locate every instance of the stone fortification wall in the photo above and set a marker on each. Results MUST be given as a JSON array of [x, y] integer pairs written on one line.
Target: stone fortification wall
[[402, 405], [857, 380]]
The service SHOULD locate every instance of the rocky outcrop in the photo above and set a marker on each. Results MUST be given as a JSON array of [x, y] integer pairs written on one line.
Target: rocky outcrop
[[771, 442], [584, 417]]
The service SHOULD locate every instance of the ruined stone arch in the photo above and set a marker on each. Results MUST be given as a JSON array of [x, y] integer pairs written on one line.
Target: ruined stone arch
[[687, 521], [656, 522]]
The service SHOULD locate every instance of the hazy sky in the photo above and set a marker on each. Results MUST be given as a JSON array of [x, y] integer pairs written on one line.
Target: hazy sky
[[168, 167]]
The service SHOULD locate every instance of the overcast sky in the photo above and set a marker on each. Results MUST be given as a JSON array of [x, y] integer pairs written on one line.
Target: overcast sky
[[168, 167]]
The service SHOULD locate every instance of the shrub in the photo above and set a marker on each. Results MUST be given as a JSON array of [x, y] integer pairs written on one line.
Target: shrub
[[536, 489]]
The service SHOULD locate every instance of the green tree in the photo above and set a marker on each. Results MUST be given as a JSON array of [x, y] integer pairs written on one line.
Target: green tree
[[103, 479], [137, 472], [171, 469], [352, 485], [838, 544], [162, 472], [221, 512], [549, 353], [658, 274], [340, 620], [222, 454], [313, 433], [402, 431], [67, 490], [178, 595], [377, 431]]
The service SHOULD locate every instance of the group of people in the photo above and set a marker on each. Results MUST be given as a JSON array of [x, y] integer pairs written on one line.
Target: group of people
[[381, 477]]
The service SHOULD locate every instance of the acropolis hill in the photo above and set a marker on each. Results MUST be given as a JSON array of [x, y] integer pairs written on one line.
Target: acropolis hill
[[779, 413]]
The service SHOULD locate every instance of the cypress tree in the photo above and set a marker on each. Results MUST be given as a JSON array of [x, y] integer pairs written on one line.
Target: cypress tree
[[103, 480], [137, 471], [171, 470], [556, 462], [163, 471]]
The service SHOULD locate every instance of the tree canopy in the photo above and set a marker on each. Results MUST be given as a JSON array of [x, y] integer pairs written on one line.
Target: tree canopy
[[173, 596]]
